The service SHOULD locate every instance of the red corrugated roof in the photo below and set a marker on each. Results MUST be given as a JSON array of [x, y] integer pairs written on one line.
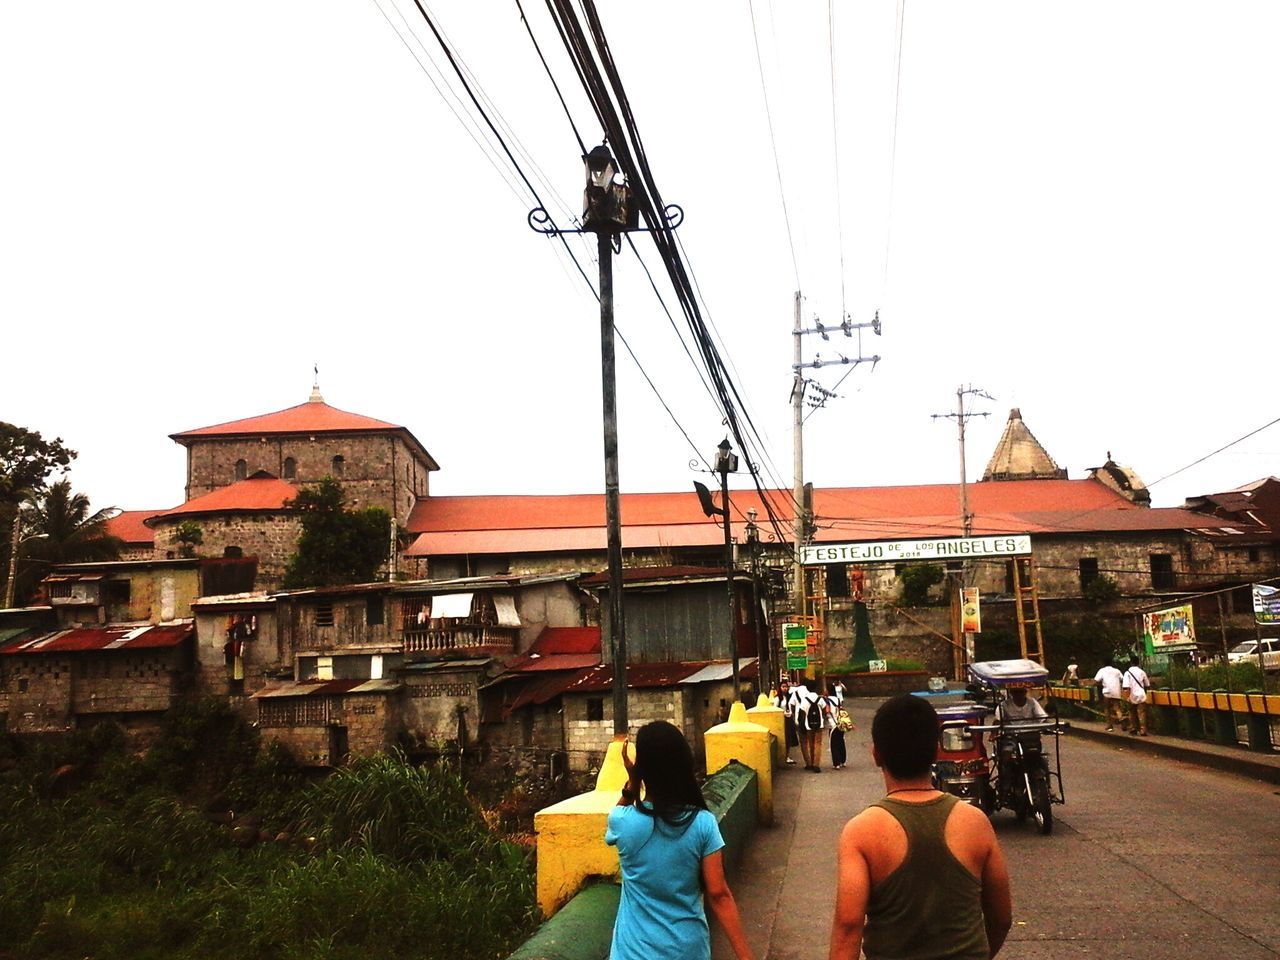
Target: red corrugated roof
[[130, 526], [575, 640], [256, 493], [314, 416], [79, 639], [514, 525]]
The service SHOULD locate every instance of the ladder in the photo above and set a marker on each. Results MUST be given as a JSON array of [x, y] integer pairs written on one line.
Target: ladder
[[1024, 590]]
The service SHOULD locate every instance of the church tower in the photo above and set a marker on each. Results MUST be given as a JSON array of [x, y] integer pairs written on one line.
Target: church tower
[[1019, 455]]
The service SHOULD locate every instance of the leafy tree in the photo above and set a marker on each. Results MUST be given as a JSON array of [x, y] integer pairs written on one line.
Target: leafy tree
[[1101, 589], [190, 536], [62, 528], [916, 581], [26, 460], [337, 545]]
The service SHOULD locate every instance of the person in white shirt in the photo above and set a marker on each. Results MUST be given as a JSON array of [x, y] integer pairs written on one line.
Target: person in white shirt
[[1110, 682], [1020, 706], [1136, 683]]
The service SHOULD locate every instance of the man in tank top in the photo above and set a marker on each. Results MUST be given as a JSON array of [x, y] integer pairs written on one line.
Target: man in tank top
[[921, 874]]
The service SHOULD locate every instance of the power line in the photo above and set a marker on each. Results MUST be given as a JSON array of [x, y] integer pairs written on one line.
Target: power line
[[893, 151], [835, 142], [1214, 453], [529, 29], [773, 142]]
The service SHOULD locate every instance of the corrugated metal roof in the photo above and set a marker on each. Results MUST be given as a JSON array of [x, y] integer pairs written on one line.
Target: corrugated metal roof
[[256, 493], [567, 640], [128, 525], [427, 666], [234, 601], [310, 688], [536, 663], [115, 637], [722, 671]]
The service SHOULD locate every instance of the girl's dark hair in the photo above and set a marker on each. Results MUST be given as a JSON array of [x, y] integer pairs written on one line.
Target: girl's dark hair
[[665, 765]]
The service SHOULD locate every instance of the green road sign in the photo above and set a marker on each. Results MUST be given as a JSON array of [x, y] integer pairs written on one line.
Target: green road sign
[[797, 662]]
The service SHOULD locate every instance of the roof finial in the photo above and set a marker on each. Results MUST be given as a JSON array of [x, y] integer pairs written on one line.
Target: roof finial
[[315, 386]]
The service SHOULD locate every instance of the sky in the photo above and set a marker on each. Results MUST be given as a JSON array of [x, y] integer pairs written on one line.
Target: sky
[[1077, 215]]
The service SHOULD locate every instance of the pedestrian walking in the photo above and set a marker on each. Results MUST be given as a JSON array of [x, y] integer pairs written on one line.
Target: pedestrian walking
[[669, 847], [843, 724], [1136, 683], [920, 874], [1111, 685], [784, 701], [812, 713]]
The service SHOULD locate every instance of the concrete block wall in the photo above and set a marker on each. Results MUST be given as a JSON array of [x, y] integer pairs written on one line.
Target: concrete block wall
[[587, 740], [271, 537]]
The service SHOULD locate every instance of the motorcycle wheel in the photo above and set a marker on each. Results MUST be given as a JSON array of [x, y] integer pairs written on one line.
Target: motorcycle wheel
[[1043, 807]]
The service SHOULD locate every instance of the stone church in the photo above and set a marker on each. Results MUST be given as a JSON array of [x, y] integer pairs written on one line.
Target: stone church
[[241, 475]]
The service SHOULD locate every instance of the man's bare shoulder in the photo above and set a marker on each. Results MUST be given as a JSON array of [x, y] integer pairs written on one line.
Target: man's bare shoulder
[[868, 827]]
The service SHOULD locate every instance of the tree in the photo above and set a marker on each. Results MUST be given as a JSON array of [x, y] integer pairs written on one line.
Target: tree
[[26, 460], [1101, 589], [916, 581], [61, 527], [337, 545], [190, 536]]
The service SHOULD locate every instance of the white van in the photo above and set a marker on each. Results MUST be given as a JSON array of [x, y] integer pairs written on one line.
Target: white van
[[1248, 651]]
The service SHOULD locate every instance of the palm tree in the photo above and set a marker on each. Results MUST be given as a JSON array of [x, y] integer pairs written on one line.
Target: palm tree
[[63, 529]]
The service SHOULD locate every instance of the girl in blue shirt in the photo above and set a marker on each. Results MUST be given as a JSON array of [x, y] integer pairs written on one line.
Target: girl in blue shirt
[[669, 846]]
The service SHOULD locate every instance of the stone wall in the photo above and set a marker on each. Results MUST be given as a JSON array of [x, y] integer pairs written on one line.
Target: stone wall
[[433, 699], [55, 692], [262, 657], [271, 537], [377, 470], [314, 729], [587, 740]]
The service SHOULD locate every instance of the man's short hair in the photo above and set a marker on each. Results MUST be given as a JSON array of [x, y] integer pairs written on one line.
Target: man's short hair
[[905, 734], [1134, 661]]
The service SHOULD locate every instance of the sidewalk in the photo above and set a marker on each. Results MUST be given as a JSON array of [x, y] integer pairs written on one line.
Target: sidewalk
[[1239, 759]]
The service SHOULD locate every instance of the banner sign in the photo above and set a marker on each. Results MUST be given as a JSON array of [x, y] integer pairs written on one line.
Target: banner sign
[[970, 610], [902, 551], [1169, 631], [797, 661], [1266, 604]]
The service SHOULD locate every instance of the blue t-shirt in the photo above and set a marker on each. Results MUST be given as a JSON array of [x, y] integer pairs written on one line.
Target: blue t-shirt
[[661, 913]]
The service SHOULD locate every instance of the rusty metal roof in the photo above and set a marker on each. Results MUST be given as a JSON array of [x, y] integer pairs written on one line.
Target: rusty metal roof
[[310, 688], [146, 636]]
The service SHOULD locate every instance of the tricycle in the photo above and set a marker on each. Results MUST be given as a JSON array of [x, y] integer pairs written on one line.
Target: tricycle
[[1018, 776]]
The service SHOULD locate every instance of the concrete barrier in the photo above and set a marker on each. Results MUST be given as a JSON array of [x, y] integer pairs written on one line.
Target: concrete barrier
[[748, 743], [582, 928], [774, 720]]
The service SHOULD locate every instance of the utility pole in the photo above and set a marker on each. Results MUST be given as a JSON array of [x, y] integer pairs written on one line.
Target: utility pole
[[609, 211], [961, 653], [727, 463], [799, 392]]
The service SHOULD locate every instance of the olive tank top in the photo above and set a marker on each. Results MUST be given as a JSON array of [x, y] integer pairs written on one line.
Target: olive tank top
[[930, 907]]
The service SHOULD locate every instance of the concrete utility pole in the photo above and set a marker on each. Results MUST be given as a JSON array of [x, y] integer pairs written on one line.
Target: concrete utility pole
[[799, 387], [727, 463], [960, 652]]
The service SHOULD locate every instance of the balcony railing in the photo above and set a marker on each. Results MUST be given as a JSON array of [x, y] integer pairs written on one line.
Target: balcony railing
[[463, 636]]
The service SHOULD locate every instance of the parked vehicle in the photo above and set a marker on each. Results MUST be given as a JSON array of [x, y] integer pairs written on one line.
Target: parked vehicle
[[1247, 652]]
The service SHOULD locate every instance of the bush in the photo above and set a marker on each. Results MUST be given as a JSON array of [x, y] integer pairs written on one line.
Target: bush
[[1101, 589], [916, 579]]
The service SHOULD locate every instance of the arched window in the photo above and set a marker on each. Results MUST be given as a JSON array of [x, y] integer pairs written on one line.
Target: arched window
[[338, 464], [290, 468], [242, 469]]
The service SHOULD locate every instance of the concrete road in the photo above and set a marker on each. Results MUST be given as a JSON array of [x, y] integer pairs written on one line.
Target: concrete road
[[1149, 858]]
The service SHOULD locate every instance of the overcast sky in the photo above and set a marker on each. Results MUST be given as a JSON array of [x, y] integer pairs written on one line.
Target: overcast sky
[[197, 204]]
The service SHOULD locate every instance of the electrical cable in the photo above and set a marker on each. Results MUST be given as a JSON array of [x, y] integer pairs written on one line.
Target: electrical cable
[[835, 141], [529, 29], [893, 151], [1214, 453], [773, 141]]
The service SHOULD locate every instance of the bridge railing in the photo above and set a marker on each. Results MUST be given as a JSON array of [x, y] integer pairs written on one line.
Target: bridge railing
[[1218, 716]]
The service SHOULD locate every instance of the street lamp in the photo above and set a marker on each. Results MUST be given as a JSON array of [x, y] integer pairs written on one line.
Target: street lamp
[[609, 210]]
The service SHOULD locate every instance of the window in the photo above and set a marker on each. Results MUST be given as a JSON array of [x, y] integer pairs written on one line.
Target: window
[[232, 552], [1162, 572], [117, 592], [324, 668], [837, 580], [290, 468], [23, 684], [338, 463], [373, 610], [324, 614], [242, 469], [1008, 576], [595, 708], [1242, 600], [1253, 554], [1088, 571]]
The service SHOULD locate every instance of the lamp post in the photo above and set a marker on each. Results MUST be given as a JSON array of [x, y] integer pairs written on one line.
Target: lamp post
[[609, 211], [753, 553], [727, 463]]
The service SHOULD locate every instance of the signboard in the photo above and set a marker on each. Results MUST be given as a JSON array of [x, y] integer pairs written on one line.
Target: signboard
[[877, 666], [795, 636], [902, 551], [1169, 631], [1266, 604], [970, 610], [797, 661]]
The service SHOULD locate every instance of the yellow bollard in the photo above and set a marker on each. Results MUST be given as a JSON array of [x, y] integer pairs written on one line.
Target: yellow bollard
[[571, 844], [773, 720], [749, 744]]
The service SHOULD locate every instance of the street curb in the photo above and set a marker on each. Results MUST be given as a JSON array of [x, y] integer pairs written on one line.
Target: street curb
[[1243, 766]]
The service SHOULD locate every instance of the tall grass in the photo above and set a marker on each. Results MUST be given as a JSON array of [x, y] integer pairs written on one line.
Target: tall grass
[[128, 866]]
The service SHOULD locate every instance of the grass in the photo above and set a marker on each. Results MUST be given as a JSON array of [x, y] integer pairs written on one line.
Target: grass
[[1237, 677], [130, 866]]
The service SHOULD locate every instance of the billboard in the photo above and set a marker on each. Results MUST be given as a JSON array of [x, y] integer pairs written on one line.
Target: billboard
[[1266, 604], [901, 551], [1169, 631]]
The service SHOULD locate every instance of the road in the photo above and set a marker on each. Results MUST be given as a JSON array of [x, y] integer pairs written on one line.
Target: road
[[1149, 858]]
